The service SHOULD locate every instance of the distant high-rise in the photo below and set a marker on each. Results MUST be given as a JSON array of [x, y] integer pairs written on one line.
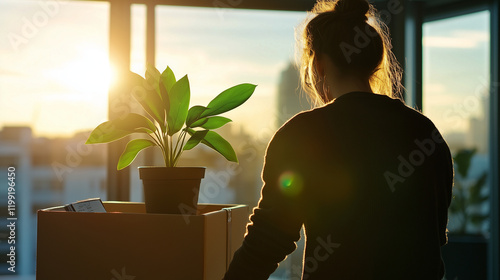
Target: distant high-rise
[[478, 135], [291, 98]]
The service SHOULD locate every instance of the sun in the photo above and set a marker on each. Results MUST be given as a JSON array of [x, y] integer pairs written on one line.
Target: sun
[[87, 76]]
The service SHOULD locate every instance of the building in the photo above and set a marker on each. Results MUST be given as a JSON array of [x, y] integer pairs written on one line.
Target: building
[[48, 172]]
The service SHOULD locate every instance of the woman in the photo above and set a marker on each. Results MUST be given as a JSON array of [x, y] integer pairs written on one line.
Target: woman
[[368, 177]]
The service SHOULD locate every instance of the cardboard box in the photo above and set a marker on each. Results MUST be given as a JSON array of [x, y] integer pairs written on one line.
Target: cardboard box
[[126, 243]]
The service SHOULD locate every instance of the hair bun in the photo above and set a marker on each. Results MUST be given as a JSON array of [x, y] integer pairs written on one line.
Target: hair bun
[[352, 9]]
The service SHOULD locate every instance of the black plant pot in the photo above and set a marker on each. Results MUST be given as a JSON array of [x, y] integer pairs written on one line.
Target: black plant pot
[[171, 190], [465, 257]]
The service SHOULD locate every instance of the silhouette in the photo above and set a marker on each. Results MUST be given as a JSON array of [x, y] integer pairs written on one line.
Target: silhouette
[[368, 177]]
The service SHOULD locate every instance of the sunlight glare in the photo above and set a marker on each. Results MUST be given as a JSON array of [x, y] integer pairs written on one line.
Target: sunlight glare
[[87, 76]]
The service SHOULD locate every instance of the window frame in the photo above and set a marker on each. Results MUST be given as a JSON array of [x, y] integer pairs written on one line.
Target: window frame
[[494, 248]]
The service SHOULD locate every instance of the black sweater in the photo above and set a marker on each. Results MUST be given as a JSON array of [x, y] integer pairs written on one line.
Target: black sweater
[[369, 178]]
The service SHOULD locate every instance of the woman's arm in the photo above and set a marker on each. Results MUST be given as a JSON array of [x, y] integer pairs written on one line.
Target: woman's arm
[[277, 220]]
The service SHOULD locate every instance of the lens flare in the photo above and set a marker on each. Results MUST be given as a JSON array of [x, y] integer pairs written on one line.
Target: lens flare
[[291, 183]]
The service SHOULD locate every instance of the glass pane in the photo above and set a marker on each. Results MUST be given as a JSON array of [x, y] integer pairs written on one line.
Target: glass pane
[[222, 48], [456, 88], [54, 75], [138, 38], [456, 97]]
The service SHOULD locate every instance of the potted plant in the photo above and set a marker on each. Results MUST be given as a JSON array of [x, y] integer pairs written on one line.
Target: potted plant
[[170, 125], [465, 255]]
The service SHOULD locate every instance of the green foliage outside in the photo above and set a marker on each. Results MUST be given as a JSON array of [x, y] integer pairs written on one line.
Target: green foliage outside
[[468, 195]]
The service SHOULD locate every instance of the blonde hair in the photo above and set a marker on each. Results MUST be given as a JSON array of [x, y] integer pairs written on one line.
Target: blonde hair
[[333, 30]]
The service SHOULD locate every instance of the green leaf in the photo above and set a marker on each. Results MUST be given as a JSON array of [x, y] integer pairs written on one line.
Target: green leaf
[[106, 132], [168, 78], [164, 98], [152, 76], [475, 195], [195, 139], [131, 151], [133, 121], [229, 99], [116, 129], [194, 114], [477, 219], [462, 161], [211, 123], [149, 99], [219, 144], [179, 104]]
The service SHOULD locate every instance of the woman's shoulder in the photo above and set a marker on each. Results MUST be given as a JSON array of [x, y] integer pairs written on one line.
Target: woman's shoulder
[[373, 103], [341, 109], [353, 111], [296, 137], [302, 121], [297, 129]]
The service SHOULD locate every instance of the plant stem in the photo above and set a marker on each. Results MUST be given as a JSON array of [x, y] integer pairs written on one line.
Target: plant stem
[[164, 139], [167, 150], [176, 152], [171, 164], [181, 140], [156, 141], [161, 144]]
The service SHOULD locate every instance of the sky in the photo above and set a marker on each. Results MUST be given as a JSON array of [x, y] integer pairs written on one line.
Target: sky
[[54, 66], [456, 70], [54, 69]]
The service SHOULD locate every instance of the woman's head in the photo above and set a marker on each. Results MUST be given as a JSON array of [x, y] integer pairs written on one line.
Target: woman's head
[[356, 42]]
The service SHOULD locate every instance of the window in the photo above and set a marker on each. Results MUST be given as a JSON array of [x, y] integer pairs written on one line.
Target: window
[[54, 75], [456, 96]]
